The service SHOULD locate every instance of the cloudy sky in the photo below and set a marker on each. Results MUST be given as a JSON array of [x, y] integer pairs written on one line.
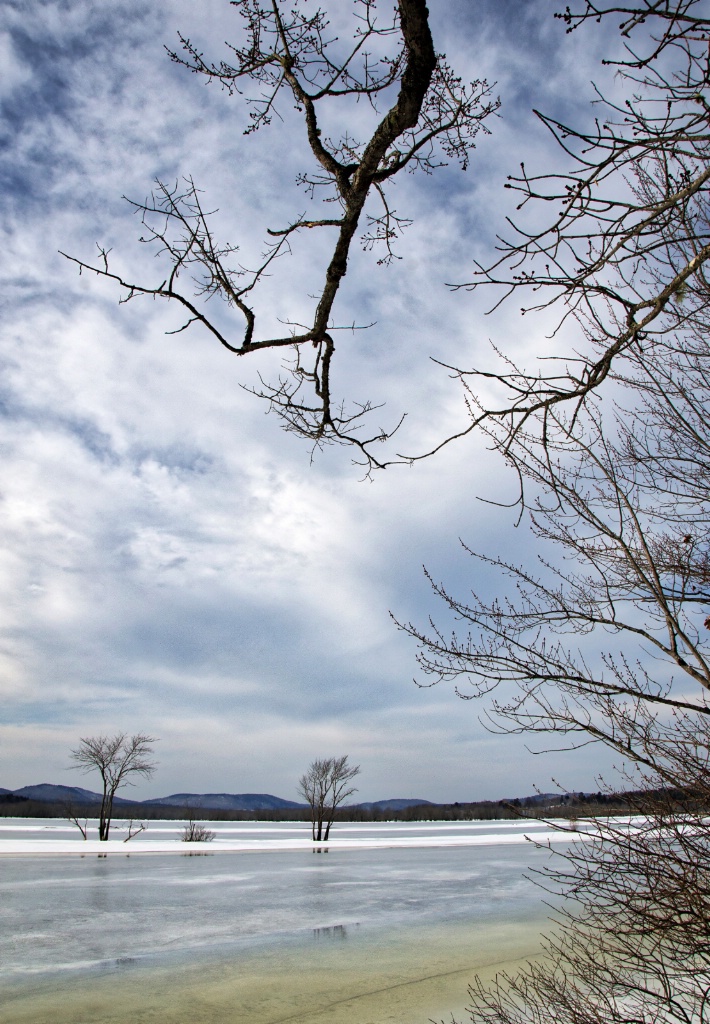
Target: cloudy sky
[[172, 562]]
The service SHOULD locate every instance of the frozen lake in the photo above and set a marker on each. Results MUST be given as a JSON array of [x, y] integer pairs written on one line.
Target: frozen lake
[[274, 932]]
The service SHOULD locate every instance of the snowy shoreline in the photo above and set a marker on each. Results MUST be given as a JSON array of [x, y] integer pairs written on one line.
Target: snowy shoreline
[[54, 847]]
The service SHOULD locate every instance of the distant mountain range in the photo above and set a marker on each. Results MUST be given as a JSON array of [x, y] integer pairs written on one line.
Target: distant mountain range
[[58, 794], [49, 793], [225, 801], [396, 804]]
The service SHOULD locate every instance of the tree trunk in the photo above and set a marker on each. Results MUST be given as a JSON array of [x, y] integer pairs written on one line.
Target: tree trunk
[[105, 819]]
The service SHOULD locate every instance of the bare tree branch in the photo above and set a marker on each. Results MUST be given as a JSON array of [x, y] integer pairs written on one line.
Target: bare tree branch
[[625, 257], [289, 49]]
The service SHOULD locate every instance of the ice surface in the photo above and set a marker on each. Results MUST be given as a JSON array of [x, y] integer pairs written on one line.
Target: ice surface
[[111, 938], [67, 911]]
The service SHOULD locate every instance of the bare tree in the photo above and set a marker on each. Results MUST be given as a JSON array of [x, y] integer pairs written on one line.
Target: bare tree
[[72, 814], [194, 832], [624, 256], [134, 828], [618, 484], [631, 938], [606, 639], [117, 759], [287, 48], [628, 566], [324, 787], [635, 179]]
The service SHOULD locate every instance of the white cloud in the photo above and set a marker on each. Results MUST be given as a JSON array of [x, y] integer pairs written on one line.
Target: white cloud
[[172, 561], [15, 72]]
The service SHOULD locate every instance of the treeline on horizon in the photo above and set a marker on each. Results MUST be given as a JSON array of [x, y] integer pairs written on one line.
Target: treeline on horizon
[[562, 806]]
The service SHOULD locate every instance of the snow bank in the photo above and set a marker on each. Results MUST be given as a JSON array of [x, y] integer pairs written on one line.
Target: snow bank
[[226, 844]]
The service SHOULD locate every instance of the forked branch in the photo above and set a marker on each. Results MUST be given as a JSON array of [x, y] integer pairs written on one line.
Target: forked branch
[[433, 117]]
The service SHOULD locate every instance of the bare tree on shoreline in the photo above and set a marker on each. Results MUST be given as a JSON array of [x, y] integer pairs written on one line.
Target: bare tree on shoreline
[[193, 831], [324, 787], [117, 759]]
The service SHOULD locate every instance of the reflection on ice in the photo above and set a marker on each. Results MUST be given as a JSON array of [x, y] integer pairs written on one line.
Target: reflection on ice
[[336, 931]]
